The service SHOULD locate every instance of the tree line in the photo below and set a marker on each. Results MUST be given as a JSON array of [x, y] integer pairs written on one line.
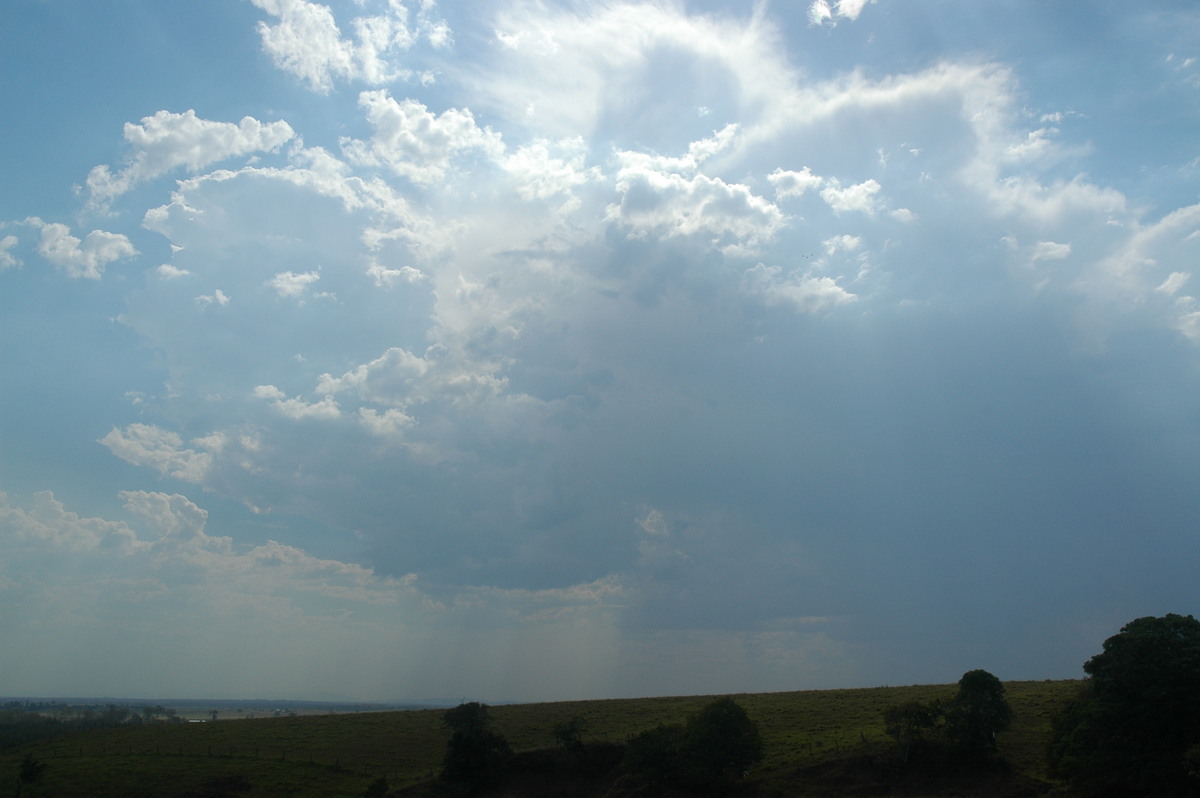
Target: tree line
[[1133, 729]]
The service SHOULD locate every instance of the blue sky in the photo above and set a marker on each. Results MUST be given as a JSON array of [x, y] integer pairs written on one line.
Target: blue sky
[[531, 351]]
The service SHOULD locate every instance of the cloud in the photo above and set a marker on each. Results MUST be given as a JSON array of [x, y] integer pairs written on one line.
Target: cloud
[[48, 523], [165, 569], [217, 297], [544, 170], [806, 292], [296, 408], [859, 197], [307, 42], [167, 141], [821, 12], [611, 386], [291, 285], [1050, 250], [414, 143], [7, 259], [788, 183], [662, 197], [590, 70], [160, 449], [80, 259]]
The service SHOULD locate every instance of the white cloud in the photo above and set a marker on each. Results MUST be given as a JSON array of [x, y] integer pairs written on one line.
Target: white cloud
[[567, 70], [86, 258], [821, 12], [160, 449], [291, 285], [168, 141], [414, 143], [171, 272], [50, 524], [859, 197], [1174, 282], [307, 42], [789, 183], [400, 379], [660, 197], [391, 423], [1050, 250], [217, 297], [7, 259], [842, 243], [543, 169], [296, 408], [804, 291]]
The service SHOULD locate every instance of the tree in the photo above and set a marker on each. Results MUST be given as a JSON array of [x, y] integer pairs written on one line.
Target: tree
[[569, 734], [721, 742], [476, 756], [712, 749], [31, 772], [977, 713], [910, 722], [655, 756], [1129, 730]]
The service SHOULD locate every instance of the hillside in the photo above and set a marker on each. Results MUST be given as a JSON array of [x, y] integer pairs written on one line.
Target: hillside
[[815, 743]]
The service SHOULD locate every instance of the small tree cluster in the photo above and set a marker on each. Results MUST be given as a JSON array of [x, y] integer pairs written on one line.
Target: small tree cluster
[[711, 750], [964, 727], [476, 756]]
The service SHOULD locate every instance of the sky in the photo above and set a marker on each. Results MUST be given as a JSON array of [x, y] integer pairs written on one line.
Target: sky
[[523, 351]]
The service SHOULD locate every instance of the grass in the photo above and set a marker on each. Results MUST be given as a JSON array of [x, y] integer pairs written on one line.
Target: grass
[[340, 755]]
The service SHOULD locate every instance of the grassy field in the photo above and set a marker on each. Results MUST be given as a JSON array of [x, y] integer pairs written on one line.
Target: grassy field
[[340, 755]]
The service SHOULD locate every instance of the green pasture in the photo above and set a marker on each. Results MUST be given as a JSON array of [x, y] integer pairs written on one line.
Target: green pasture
[[340, 755]]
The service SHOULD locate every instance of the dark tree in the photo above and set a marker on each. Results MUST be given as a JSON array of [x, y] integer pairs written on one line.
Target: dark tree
[[721, 742], [476, 756], [977, 714], [712, 750], [1130, 729], [469, 717], [31, 773], [910, 723], [655, 756], [569, 734]]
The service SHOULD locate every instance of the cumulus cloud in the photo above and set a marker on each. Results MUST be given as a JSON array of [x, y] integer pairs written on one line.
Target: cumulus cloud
[[860, 197], [822, 12], [789, 183], [217, 297], [296, 408], [160, 449], [307, 42], [412, 142], [804, 291], [168, 141], [1050, 250], [667, 197], [80, 258], [291, 285], [7, 259], [602, 300], [544, 169]]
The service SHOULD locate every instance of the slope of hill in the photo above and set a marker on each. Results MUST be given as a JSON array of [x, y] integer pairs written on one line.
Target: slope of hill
[[828, 742]]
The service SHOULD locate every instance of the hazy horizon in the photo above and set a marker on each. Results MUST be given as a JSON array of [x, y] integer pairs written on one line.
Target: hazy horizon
[[581, 348]]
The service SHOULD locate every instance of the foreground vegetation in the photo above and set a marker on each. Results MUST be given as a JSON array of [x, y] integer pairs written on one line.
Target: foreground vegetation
[[831, 742]]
